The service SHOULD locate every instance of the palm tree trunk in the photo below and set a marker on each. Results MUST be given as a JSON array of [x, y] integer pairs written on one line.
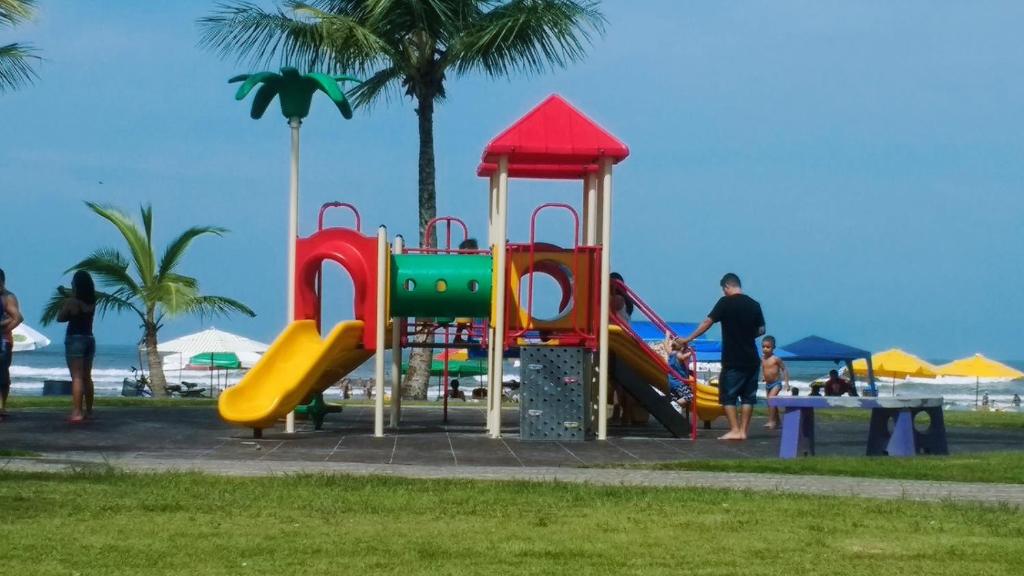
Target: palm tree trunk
[[157, 380], [419, 359]]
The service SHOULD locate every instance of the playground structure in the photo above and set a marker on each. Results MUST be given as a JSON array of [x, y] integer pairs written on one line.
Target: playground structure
[[401, 291]]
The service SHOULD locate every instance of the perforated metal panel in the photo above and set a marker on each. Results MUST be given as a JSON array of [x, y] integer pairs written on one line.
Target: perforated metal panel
[[556, 400]]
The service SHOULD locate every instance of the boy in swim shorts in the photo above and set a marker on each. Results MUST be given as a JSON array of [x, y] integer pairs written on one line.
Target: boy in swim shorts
[[774, 371]]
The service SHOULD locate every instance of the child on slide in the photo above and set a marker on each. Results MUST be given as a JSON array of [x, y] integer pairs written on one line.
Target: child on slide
[[679, 392], [774, 371]]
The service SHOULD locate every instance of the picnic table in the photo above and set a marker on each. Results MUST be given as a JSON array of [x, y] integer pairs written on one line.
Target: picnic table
[[891, 430]]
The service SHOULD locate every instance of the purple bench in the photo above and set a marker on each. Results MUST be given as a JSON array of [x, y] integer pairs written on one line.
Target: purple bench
[[891, 431]]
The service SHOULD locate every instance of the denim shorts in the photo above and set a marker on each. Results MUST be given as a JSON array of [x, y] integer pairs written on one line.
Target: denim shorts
[[80, 346], [738, 384]]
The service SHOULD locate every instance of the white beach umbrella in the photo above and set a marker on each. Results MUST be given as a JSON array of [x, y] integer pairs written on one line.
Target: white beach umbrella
[[27, 338], [212, 340]]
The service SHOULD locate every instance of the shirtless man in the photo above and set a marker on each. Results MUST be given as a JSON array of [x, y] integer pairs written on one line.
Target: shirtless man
[[774, 371], [10, 317]]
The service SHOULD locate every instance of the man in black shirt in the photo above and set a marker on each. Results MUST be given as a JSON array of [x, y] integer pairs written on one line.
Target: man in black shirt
[[742, 322]]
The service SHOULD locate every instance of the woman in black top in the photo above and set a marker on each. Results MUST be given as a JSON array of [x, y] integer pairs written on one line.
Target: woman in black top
[[79, 344]]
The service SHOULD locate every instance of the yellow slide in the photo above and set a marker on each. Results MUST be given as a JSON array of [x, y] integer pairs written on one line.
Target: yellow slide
[[297, 364], [628, 349]]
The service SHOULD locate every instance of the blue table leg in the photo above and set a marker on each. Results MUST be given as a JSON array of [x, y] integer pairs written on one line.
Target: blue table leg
[[797, 430], [902, 443], [878, 431], [933, 440]]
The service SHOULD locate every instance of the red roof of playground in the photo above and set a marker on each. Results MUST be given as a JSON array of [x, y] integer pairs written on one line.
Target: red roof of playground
[[554, 140], [541, 171]]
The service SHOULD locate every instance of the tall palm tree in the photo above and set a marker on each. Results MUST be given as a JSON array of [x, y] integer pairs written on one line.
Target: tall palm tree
[[15, 67], [156, 291], [410, 46]]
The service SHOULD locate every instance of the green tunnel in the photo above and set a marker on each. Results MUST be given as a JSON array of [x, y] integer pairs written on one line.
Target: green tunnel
[[441, 285]]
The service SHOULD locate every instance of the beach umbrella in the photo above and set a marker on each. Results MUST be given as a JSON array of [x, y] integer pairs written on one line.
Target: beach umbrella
[[980, 367], [896, 364], [213, 341], [213, 360], [27, 338], [456, 369]]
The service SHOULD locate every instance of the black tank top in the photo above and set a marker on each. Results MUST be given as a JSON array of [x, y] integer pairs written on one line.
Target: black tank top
[[80, 324]]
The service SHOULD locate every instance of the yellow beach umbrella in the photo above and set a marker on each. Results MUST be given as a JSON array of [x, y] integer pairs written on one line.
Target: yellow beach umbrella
[[980, 367], [896, 364]]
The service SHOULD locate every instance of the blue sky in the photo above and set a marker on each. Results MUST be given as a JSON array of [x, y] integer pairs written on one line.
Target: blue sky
[[859, 164]]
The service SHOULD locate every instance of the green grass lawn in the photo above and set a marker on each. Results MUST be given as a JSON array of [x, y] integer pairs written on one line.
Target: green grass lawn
[[8, 453], [117, 523], [1000, 467], [955, 418]]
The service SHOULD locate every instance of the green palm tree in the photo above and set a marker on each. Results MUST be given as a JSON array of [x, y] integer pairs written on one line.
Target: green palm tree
[[15, 67], [410, 47], [156, 291], [295, 93]]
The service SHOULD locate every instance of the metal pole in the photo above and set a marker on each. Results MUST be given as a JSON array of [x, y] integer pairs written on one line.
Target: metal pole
[[592, 214], [396, 359], [293, 232], [606, 233], [492, 239], [500, 247], [444, 372], [381, 320]]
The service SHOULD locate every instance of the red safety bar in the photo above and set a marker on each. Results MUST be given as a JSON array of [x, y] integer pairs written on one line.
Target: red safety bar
[[320, 273], [584, 334], [328, 205], [646, 310]]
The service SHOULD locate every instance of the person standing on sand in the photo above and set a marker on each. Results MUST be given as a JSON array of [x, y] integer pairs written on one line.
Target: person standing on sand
[[79, 343], [742, 322], [10, 317]]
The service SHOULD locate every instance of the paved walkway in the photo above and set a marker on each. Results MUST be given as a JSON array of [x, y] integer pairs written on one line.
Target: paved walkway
[[1005, 494], [148, 439]]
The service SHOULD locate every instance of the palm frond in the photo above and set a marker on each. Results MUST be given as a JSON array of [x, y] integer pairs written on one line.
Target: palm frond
[[529, 36], [115, 302], [109, 267], [176, 249], [314, 39], [175, 293], [14, 12], [105, 302], [146, 212], [16, 67], [53, 305], [140, 249], [351, 39], [434, 20], [211, 306], [185, 281], [385, 83]]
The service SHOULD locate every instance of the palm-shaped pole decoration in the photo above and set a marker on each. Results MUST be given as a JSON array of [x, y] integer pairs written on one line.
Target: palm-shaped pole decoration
[[295, 93]]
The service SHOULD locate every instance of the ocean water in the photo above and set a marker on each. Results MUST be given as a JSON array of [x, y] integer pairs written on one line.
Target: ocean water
[[958, 393], [114, 363]]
